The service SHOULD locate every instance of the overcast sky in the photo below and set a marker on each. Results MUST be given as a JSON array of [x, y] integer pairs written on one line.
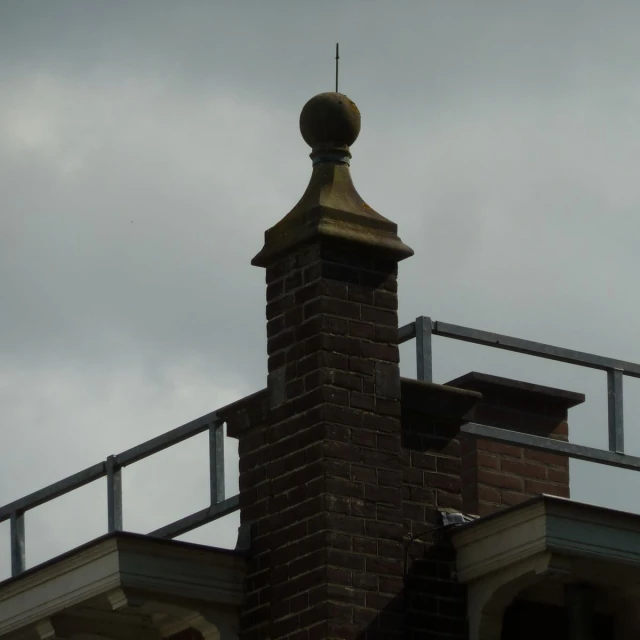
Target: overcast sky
[[146, 146]]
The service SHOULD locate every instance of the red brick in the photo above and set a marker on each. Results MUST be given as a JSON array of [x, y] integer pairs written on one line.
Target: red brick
[[386, 300], [423, 460], [488, 460], [341, 308], [500, 448], [489, 494], [360, 401], [447, 500], [423, 495], [528, 469], [444, 481], [364, 295], [378, 351], [536, 487], [378, 316], [547, 458], [360, 365], [362, 330], [385, 566], [500, 480], [558, 475], [446, 464], [412, 476], [364, 438], [509, 498]]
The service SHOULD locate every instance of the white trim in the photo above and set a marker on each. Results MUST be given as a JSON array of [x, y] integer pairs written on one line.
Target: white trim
[[546, 524], [502, 554], [125, 574], [499, 542]]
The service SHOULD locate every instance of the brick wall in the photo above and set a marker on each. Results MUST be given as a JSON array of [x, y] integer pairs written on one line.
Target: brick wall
[[321, 479], [496, 475], [337, 492], [338, 489], [435, 604]]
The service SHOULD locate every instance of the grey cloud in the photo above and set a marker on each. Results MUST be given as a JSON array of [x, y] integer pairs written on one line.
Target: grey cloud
[[145, 147]]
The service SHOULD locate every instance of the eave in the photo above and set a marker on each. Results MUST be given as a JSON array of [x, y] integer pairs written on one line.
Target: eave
[[537, 546], [139, 585]]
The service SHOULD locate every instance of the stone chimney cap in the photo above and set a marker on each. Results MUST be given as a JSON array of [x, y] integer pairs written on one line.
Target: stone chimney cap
[[330, 124], [331, 210]]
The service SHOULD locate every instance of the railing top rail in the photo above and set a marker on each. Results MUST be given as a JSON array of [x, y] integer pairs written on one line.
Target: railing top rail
[[99, 470], [544, 443], [168, 439], [407, 332], [527, 347], [54, 490]]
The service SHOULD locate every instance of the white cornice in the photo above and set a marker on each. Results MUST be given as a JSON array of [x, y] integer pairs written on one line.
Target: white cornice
[[562, 527], [500, 555], [499, 542], [121, 572]]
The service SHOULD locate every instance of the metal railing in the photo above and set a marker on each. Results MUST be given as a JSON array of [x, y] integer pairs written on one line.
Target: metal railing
[[424, 328], [111, 468]]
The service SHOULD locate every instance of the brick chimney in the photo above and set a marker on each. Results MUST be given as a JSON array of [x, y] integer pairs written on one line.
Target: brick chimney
[[321, 480], [496, 475]]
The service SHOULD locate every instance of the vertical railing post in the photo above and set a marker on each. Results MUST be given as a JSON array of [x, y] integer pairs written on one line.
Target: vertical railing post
[[616, 410], [18, 560], [423, 349], [114, 495], [216, 461]]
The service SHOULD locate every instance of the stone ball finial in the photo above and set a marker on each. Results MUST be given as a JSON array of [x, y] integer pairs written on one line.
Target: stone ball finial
[[330, 120]]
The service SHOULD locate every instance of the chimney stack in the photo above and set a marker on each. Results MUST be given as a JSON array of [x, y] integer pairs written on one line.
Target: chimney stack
[[322, 476], [347, 470]]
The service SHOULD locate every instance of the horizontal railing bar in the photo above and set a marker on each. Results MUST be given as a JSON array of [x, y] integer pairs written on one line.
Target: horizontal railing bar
[[540, 443], [195, 520], [407, 332], [539, 349], [99, 470], [54, 490], [166, 440]]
